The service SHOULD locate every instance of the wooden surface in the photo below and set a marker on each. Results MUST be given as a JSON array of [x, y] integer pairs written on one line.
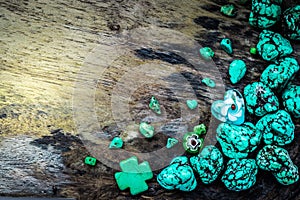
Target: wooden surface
[[46, 44]]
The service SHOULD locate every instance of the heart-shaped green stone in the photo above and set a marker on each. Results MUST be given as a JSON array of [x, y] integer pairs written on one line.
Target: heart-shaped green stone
[[192, 104]]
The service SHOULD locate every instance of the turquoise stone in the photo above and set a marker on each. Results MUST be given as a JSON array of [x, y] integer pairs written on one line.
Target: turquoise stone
[[192, 104], [240, 174], [90, 160], [291, 100], [231, 110], [178, 175], [265, 13], [207, 53], [291, 22], [146, 130], [277, 128], [200, 129], [237, 70], [154, 105], [276, 76], [208, 164], [260, 99], [253, 50], [171, 142], [273, 158], [228, 10], [133, 175], [192, 142], [226, 45], [117, 143], [272, 46], [287, 175], [238, 141], [209, 82]]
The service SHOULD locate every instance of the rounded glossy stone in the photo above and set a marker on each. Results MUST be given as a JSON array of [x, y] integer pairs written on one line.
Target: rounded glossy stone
[[272, 46], [192, 142], [238, 141], [229, 10], [226, 45], [117, 143], [260, 99], [287, 175], [276, 76], [200, 129], [178, 175], [207, 53], [253, 50], [273, 158], [231, 110], [154, 105], [265, 13], [240, 174], [208, 164], [291, 22], [237, 70], [171, 142], [291, 100], [192, 104], [277, 128], [209, 82], [146, 130]]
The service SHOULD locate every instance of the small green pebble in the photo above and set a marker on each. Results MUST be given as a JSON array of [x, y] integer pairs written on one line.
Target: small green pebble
[[154, 105], [253, 50], [228, 10], [116, 143], [146, 130], [209, 82], [171, 142], [207, 53], [237, 70], [200, 129], [226, 45], [90, 160], [192, 104]]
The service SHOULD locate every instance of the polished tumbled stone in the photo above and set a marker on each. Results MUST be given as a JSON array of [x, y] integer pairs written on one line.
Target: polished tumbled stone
[[238, 141], [265, 13], [226, 45], [146, 130], [291, 22], [200, 129], [240, 174], [231, 109], [209, 82], [276, 76], [171, 142], [90, 160], [260, 99], [237, 70], [287, 175], [192, 142], [253, 50], [117, 143], [192, 104], [208, 164], [207, 53], [273, 158], [229, 10], [178, 175], [272, 46], [291, 100], [277, 128], [155, 106], [133, 175]]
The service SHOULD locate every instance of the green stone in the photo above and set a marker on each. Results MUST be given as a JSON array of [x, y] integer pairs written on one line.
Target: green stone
[[291, 22], [207, 53], [154, 105], [200, 129], [287, 175], [192, 143], [116, 143], [133, 175], [277, 76], [178, 175], [209, 82], [90, 160], [171, 142], [238, 141], [265, 13], [237, 70], [208, 164], [226, 45], [146, 130], [260, 99], [272, 46], [253, 50], [192, 104], [277, 128], [228, 10], [291, 100], [240, 174]]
